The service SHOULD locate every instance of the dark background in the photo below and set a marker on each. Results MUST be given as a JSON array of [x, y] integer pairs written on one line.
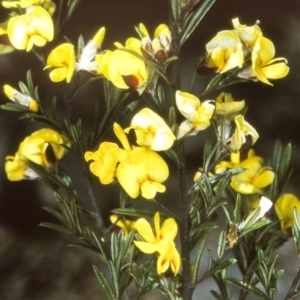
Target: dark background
[[34, 262]]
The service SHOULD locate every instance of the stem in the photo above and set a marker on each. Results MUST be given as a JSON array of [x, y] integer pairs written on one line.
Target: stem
[[294, 286], [98, 215], [187, 289]]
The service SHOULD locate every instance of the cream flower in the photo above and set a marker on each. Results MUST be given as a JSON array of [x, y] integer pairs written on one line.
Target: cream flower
[[198, 114]]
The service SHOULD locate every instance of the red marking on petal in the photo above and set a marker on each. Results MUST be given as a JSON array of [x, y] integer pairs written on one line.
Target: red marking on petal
[[131, 81]]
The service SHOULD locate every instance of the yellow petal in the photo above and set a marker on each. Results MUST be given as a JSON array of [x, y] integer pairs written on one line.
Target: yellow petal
[[145, 230]]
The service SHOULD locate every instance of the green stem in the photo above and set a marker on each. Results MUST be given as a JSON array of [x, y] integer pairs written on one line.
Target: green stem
[[294, 286]]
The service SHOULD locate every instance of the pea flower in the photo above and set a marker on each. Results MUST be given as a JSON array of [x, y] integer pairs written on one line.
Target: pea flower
[[264, 66], [20, 98], [224, 51], [17, 168], [151, 130], [242, 134], [48, 5], [198, 114], [160, 239], [284, 207], [86, 58], [122, 68], [253, 179], [43, 147], [247, 34], [227, 107], [32, 28], [143, 173], [158, 48], [62, 62], [122, 223]]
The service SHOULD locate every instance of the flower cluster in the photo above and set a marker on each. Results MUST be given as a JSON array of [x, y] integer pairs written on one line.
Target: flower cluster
[[253, 179], [43, 147], [245, 47], [139, 170], [159, 240]]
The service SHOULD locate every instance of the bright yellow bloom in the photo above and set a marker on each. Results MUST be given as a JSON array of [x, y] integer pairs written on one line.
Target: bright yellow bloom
[[43, 147], [264, 67], [168, 258], [198, 114], [284, 208], [227, 107], [20, 98], [105, 161], [159, 239], [62, 61], [242, 131], [17, 169], [224, 51], [247, 34], [253, 179], [143, 172], [124, 69], [151, 130], [32, 28], [86, 59], [121, 222]]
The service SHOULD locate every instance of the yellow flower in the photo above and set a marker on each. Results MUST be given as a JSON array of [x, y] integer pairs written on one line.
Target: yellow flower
[[198, 114], [159, 239], [86, 59], [124, 69], [143, 172], [253, 179], [247, 34], [243, 132], [32, 28], [105, 161], [168, 258], [224, 51], [62, 61], [284, 207], [20, 98], [227, 107], [17, 169], [151, 130], [121, 222], [264, 67], [43, 147]]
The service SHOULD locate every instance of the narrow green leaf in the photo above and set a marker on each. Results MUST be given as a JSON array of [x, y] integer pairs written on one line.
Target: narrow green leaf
[[210, 259], [55, 213], [255, 226], [105, 284], [198, 256], [172, 116], [296, 295], [262, 275], [238, 209], [224, 265], [24, 88], [14, 107], [56, 227], [196, 18], [249, 288], [136, 212], [285, 161], [221, 244], [98, 243]]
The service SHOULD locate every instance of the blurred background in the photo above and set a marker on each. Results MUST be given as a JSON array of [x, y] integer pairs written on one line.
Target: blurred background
[[35, 262]]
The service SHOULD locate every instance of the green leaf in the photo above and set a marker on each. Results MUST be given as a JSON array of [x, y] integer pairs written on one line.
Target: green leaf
[[14, 107], [80, 43], [238, 209], [105, 284], [224, 265], [195, 19], [56, 227], [172, 116], [176, 9], [136, 212], [23, 88], [55, 213], [221, 244], [198, 256], [254, 226], [249, 288]]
